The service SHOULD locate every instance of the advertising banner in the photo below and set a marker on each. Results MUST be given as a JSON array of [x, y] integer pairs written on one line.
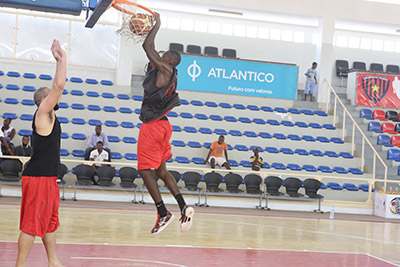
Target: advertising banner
[[387, 205]]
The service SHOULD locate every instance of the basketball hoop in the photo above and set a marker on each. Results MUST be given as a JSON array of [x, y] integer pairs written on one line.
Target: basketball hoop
[[137, 20]]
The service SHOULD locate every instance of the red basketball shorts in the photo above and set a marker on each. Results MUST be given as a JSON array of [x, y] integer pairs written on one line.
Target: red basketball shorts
[[39, 205], [153, 145]]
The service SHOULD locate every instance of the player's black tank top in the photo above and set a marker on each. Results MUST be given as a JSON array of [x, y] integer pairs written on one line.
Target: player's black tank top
[[45, 160], [158, 101]]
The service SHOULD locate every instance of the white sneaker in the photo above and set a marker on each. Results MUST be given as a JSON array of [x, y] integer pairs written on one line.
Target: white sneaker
[[187, 218]]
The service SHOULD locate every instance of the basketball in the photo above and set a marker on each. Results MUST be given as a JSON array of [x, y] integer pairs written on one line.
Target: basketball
[[140, 24]]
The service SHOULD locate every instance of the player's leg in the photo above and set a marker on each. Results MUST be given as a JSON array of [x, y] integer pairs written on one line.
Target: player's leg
[[25, 242], [212, 163], [49, 242], [306, 90]]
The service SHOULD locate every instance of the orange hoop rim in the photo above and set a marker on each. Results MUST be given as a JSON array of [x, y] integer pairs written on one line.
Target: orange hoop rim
[[115, 5]]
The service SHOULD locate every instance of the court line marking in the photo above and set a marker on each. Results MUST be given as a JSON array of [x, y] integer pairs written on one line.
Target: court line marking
[[126, 259], [372, 256]]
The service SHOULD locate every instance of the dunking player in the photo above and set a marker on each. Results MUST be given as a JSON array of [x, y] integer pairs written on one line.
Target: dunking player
[[40, 193], [154, 149]]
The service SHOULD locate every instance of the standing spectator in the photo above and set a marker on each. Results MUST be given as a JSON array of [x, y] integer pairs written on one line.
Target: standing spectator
[[256, 161], [4, 143], [98, 155], [95, 137], [24, 149], [311, 81], [216, 150]]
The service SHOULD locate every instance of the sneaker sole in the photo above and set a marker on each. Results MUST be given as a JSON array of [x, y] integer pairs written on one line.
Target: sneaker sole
[[188, 213], [165, 226]]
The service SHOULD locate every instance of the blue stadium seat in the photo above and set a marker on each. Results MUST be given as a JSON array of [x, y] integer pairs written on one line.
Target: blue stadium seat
[[207, 145], [301, 152], [204, 130], [45, 77], [334, 186], [137, 111], [211, 104], [106, 83], [323, 139], [75, 80], [365, 187], [25, 132], [323, 186], [315, 125], [287, 123], [92, 94], [230, 119], [356, 171], [201, 116], [13, 87], [273, 122], [244, 120], [26, 117], [12, 116], [172, 114], [91, 81], [271, 149], [183, 160], [350, 187], [130, 156], [189, 129], [374, 127], [325, 169], [196, 103], [309, 168], [12, 101], [253, 107], [307, 112], [245, 163], [331, 154], [116, 155], [239, 106], [393, 154], [194, 144], [94, 122], [186, 115], [27, 102], [197, 160], [125, 110], [316, 153], [294, 111], [266, 166], [108, 95], [308, 138], [280, 110], [279, 136], [250, 134], [337, 140], [329, 126], [294, 167], [230, 147], [346, 155], [260, 149], [288, 151], [13, 74], [113, 139], [78, 121], [184, 102], [64, 152], [63, 105], [267, 109], [265, 135], [65, 92], [76, 93], [123, 96], [321, 113], [77, 106], [384, 140], [340, 170], [170, 160], [215, 117], [259, 121], [220, 132], [301, 124], [111, 123], [127, 124], [109, 109], [225, 105], [241, 148], [294, 137], [1, 73], [64, 135], [235, 133], [28, 88], [278, 166], [178, 143], [176, 128], [29, 76], [366, 114], [78, 136], [63, 119], [233, 163], [129, 140]]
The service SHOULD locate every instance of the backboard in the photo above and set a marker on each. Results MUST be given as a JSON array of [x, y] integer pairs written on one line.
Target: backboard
[[95, 9]]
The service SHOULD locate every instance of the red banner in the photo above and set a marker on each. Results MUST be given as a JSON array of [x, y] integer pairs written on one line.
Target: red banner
[[378, 90]]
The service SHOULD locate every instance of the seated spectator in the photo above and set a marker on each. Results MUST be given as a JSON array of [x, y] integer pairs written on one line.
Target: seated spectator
[[256, 161], [98, 155], [9, 133], [95, 137], [24, 149], [216, 150], [4, 143]]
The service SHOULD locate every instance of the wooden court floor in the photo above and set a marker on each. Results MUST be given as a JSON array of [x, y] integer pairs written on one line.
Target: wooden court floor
[[117, 234]]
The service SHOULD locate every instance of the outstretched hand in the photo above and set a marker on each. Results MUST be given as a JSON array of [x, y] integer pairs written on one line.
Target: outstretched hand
[[57, 51]]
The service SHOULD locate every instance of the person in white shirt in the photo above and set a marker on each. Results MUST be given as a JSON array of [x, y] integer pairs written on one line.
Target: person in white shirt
[[4, 143], [98, 155], [311, 81]]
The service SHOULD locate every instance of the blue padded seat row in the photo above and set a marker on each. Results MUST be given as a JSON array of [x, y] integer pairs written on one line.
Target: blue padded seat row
[[230, 119], [241, 148], [244, 120], [346, 155], [215, 117], [129, 140], [278, 166], [77, 106], [365, 187], [78, 153], [356, 171], [207, 145], [197, 160], [125, 110], [64, 152], [29, 76], [270, 149], [245, 163], [110, 123], [204, 130], [230, 147], [374, 127], [109, 109], [1, 73], [127, 124], [189, 129], [78, 136], [225, 105], [178, 143], [211, 104], [337, 140], [331, 154], [63, 119], [250, 134], [75, 80], [137, 111], [45, 77], [184, 102], [265, 135], [12, 116], [286, 151], [92, 94], [12, 101], [307, 112], [235, 133], [350, 187], [259, 121], [24, 132], [201, 116], [273, 122], [196, 103], [340, 170], [316, 153], [13, 74], [308, 138], [64, 135], [309, 168], [384, 140], [194, 144], [323, 139], [183, 160], [329, 126], [260, 149], [13, 87], [220, 132], [280, 110], [94, 122], [321, 113], [302, 152], [334, 186], [123, 96], [108, 95], [78, 121], [315, 125], [186, 115], [106, 82], [393, 154], [301, 124], [287, 123], [28, 88], [294, 111], [294, 167], [366, 114], [233, 163], [113, 139], [28, 102], [116, 155], [266, 109], [76, 93], [65, 92], [172, 114], [279, 136], [130, 156], [139, 98], [294, 137], [176, 128], [325, 169], [253, 107], [170, 160], [239, 106], [91, 81], [26, 117]]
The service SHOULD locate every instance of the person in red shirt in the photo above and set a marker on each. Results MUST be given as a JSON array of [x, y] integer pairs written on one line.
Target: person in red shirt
[[216, 150]]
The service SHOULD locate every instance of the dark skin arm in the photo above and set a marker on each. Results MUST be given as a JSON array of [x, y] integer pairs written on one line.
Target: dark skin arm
[[226, 155], [5, 144], [208, 156], [165, 70]]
